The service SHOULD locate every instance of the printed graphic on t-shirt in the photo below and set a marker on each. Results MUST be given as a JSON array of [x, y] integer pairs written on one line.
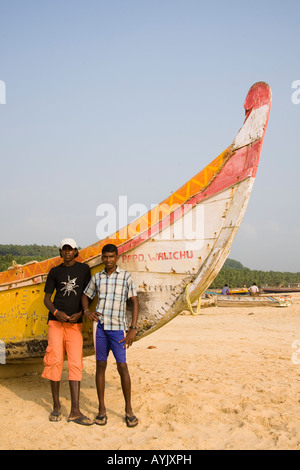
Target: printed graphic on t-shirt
[[69, 286]]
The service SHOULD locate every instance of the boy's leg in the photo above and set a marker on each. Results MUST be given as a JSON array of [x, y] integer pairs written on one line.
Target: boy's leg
[[75, 414], [126, 386], [53, 362], [74, 344], [100, 384], [130, 418], [75, 392], [55, 415], [102, 351], [55, 352], [117, 346]]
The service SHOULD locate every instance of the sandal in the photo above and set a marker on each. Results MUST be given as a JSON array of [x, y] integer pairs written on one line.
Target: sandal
[[81, 420], [131, 421], [55, 416], [101, 420]]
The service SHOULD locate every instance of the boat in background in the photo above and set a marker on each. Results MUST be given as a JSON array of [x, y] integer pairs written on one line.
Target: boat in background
[[173, 252], [219, 300], [241, 291], [279, 290]]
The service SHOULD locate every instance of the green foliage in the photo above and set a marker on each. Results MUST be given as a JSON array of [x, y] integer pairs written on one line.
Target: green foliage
[[231, 263], [235, 274], [22, 254]]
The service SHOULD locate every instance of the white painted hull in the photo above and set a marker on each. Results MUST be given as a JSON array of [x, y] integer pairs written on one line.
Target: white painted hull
[[249, 301], [163, 269]]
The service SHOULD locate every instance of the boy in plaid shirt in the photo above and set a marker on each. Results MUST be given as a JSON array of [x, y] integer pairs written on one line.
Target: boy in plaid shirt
[[114, 287]]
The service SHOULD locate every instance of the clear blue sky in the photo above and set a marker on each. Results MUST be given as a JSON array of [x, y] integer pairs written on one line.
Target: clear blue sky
[[134, 97]]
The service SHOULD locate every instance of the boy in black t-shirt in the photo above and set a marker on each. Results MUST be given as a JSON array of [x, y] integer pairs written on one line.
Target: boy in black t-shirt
[[69, 279]]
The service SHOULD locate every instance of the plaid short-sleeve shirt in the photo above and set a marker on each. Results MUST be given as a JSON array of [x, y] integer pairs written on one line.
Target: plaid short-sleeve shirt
[[113, 292]]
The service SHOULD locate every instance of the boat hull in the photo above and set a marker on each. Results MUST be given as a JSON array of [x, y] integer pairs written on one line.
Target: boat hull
[[173, 252], [249, 301], [280, 290]]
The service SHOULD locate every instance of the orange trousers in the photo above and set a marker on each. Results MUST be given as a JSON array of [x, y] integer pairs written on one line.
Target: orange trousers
[[63, 338]]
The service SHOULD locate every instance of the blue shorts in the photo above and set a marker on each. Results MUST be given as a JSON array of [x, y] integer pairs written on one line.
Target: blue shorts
[[107, 340]]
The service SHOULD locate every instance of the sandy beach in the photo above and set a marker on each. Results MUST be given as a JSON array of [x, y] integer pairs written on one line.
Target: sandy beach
[[225, 379]]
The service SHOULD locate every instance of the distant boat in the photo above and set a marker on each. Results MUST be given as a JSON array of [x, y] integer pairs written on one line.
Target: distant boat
[[173, 252], [242, 291], [280, 290], [250, 301], [237, 291]]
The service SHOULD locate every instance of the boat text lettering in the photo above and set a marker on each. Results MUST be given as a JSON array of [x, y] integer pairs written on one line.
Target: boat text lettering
[[161, 256]]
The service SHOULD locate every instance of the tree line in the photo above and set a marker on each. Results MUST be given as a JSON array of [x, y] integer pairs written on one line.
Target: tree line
[[22, 254], [233, 272]]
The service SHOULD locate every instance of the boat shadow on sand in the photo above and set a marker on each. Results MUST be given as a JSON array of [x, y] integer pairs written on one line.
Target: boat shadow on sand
[[25, 382]]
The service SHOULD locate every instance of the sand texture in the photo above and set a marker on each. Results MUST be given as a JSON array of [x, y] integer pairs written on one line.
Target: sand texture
[[225, 379]]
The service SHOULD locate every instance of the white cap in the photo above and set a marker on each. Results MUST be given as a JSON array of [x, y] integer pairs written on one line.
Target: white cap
[[68, 241]]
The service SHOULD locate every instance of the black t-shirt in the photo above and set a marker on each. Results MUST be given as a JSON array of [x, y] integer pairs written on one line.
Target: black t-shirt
[[69, 282]]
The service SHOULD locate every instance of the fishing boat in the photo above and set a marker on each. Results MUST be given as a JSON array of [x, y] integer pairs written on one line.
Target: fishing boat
[[279, 290], [173, 252], [241, 291], [237, 291], [235, 300]]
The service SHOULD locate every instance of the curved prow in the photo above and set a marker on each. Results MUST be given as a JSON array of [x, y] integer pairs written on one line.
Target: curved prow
[[232, 188]]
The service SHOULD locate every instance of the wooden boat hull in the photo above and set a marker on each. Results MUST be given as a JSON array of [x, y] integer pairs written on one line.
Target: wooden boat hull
[[239, 291], [249, 301], [280, 290], [173, 252]]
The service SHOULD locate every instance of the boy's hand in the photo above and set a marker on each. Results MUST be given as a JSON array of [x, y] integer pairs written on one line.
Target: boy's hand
[[75, 317], [62, 316], [129, 338], [91, 315]]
